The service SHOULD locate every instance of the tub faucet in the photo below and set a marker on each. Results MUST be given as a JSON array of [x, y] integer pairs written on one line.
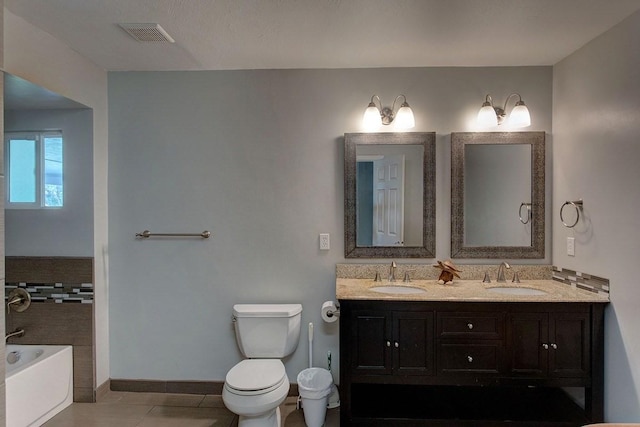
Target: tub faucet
[[17, 333], [392, 271], [501, 278]]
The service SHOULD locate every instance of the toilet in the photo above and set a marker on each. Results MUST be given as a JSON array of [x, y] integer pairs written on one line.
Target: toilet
[[255, 387]]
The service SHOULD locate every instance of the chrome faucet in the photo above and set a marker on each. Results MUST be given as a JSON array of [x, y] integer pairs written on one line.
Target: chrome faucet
[[501, 278], [16, 333], [392, 271]]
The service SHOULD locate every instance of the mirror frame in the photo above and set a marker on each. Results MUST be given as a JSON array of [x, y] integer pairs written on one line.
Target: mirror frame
[[428, 141], [537, 142]]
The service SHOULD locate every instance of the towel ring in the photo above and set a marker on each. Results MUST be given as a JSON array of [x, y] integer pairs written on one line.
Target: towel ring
[[528, 206], [576, 204]]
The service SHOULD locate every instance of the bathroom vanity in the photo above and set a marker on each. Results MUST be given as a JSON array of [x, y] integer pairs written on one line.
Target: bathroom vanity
[[466, 356]]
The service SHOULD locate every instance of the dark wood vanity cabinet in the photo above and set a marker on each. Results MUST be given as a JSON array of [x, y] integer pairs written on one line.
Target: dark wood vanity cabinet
[[549, 345], [470, 364], [386, 342]]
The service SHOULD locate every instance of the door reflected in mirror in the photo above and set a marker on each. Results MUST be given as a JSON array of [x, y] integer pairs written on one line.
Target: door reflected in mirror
[[389, 191], [389, 195]]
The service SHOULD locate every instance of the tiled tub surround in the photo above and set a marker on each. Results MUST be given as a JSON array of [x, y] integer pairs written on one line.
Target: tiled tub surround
[[55, 292], [61, 311]]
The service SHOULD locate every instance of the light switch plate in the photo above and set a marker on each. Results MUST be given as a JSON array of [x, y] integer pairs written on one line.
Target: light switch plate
[[571, 246]]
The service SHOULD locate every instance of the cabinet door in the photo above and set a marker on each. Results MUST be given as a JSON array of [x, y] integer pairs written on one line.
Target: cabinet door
[[527, 335], [413, 343], [569, 344], [370, 342]]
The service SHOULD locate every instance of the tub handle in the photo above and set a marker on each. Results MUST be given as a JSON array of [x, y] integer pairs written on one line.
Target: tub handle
[[18, 300]]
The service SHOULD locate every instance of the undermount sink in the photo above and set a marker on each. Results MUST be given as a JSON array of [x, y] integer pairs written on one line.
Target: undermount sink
[[397, 289], [513, 290]]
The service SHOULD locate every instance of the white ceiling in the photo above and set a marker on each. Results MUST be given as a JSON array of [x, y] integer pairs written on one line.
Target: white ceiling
[[275, 34]]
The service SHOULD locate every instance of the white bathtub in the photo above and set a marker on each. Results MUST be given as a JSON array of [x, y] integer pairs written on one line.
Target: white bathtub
[[39, 384]]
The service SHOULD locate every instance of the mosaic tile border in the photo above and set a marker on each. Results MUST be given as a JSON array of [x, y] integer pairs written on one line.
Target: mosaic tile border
[[584, 281], [55, 292]]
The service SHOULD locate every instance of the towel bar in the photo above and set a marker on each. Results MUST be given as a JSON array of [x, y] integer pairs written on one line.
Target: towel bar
[[146, 234]]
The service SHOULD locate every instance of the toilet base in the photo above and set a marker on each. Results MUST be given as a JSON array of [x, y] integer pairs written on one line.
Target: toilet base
[[272, 419]]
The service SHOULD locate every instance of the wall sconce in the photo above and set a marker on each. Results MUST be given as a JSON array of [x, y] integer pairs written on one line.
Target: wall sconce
[[375, 116], [489, 115]]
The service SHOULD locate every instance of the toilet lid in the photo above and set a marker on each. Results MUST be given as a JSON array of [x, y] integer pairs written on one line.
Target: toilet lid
[[256, 374]]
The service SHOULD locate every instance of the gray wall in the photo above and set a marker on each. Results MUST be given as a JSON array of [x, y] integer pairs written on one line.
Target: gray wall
[[256, 157], [67, 231], [596, 128]]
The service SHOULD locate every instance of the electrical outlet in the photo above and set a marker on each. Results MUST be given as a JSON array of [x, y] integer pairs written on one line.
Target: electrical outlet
[[571, 246], [324, 242]]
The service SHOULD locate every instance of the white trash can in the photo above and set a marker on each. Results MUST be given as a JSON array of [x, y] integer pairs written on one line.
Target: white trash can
[[314, 386]]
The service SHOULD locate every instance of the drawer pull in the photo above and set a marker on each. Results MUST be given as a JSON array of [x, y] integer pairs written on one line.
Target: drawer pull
[[388, 343], [554, 346], [470, 359], [545, 346], [396, 344], [470, 325]]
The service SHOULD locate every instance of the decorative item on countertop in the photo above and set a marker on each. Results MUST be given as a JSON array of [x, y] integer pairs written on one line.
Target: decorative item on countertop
[[449, 271]]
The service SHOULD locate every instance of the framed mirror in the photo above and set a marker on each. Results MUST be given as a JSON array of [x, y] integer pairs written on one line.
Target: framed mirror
[[497, 195], [389, 195]]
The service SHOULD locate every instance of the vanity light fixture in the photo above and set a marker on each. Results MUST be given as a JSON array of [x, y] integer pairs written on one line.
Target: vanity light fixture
[[375, 116], [489, 115]]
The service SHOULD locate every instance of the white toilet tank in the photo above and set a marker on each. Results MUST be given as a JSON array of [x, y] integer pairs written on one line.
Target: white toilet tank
[[268, 331]]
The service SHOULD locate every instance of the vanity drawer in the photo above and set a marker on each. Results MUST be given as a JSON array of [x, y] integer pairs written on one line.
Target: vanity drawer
[[476, 358], [477, 325]]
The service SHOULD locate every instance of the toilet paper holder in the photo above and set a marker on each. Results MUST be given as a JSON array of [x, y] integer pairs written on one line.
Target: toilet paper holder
[[334, 313]]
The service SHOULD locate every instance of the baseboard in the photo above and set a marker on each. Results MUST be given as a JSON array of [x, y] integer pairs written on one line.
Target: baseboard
[[180, 387], [103, 390]]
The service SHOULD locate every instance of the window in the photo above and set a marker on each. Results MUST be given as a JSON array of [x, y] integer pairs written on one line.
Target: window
[[34, 169]]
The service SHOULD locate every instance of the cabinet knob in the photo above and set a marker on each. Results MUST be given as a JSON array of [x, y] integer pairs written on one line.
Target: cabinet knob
[[388, 343], [554, 346], [470, 359], [545, 346], [396, 344], [470, 325]]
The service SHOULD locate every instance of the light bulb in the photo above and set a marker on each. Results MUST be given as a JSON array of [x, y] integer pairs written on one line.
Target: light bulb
[[487, 116], [371, 118], [404, 117], [520, 116]]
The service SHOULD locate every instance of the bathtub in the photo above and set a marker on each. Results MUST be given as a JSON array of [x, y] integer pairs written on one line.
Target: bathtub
[[39, 383]]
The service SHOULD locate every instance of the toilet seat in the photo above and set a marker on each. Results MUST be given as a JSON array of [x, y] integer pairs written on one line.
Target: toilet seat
[[253, 377]]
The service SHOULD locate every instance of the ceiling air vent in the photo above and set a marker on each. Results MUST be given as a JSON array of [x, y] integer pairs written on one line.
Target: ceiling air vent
[[147, 33]]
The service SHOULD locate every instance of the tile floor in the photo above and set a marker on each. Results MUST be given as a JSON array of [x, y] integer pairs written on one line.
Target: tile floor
[[126, 409]]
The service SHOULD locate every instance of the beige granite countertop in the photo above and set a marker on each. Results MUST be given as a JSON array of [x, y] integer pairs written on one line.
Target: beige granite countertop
[[465, 291]]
